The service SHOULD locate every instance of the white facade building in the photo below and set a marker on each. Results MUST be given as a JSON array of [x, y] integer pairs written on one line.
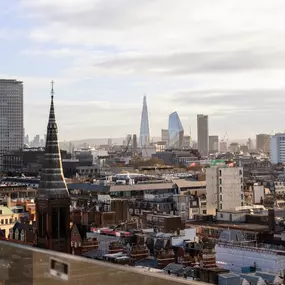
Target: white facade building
[[224, 188], [277, 148], [234, 257], [11, 116]]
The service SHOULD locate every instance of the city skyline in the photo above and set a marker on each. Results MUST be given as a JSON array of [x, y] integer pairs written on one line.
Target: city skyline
[[103, 58]]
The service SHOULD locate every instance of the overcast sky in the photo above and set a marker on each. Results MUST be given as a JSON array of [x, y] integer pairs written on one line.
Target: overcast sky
[[221, 58]]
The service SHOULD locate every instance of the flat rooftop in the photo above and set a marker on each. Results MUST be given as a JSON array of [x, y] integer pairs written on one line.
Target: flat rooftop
[[236, 226], [181, 183]]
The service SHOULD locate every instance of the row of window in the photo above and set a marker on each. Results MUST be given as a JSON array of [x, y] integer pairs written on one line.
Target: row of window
[[8, 221], [221, 181], [220, 172]]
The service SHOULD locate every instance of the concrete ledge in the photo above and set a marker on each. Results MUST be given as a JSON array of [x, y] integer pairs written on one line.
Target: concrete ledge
[[29, 265]]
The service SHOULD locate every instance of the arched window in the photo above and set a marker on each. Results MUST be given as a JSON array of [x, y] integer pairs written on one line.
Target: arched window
[[23, 235]]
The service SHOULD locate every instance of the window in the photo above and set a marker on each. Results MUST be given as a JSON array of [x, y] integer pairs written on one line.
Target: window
[[221, 189], [221, 207], [22, 235], [221, 198], [220, 171], [240, 172], [241, 180], [2, 221], [11, 221], [241, 196], [220, 181], [6, 221]]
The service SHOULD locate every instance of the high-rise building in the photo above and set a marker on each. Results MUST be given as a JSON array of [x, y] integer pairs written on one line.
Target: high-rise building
[[164, 135], [186, 141], [277, 148], [249, 144], [135, 142], [27, 140], [53, 200], [224, 188], [203, 134], [223, 146], [175, 131], [144, 130], [213, 144], [11, 116], [263, 142]]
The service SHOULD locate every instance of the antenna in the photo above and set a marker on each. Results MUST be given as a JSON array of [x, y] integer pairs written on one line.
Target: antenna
[[190, 134]]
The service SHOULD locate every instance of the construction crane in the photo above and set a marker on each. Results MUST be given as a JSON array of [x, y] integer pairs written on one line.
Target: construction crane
[[127, 146], [224, 137]]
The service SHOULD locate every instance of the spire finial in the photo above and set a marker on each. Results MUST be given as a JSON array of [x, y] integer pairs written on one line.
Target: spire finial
[[52, 92]]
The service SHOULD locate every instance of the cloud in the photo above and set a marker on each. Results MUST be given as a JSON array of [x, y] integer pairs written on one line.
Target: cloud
[[77, 117], [202, 62], [224, 58], [241, 96]]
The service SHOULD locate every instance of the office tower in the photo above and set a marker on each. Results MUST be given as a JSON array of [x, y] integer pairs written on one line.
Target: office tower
[[36, 141], [263, 142], [110, 142], [27, 140], [164, 135], [277, 148], [186, 141], [175, 131], [213, 144], [135, 142], [249, 144], [11, 116], [203, 134], [224, 188], [223, 146], [144, 130], [53, 200]]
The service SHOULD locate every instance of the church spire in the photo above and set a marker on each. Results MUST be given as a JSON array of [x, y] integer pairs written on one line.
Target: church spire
[[52, 183]]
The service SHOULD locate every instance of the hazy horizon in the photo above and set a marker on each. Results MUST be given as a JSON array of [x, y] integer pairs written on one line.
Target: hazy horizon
[[222, 58]]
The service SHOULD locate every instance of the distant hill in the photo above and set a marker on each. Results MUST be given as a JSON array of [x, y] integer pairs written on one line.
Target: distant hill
[[91, 142], [95, 142]]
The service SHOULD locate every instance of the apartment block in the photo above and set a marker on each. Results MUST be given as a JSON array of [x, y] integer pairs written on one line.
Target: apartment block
[[224, 190]]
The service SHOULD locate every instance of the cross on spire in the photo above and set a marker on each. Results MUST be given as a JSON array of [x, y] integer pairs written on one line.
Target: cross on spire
[[52, 92]]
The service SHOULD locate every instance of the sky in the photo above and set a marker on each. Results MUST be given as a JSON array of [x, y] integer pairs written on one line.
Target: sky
[[222, 58]]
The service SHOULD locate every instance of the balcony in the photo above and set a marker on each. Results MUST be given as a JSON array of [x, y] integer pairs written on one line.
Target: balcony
[[28, 265]]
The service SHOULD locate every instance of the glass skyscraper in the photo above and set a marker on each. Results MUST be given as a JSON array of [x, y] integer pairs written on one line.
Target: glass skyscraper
[[175, 131], [144, 131]]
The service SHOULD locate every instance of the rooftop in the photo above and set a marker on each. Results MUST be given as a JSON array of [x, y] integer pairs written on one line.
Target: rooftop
[[5, 211], [237, 226]]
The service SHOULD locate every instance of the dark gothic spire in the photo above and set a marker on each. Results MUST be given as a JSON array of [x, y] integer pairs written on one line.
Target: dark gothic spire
[[52, 183]]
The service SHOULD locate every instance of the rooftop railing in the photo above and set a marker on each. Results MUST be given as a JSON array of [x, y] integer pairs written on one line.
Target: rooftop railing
[[25, 265]]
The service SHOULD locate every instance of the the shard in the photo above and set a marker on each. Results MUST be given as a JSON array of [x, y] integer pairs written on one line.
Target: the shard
[[144, 130], [175, 131]]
